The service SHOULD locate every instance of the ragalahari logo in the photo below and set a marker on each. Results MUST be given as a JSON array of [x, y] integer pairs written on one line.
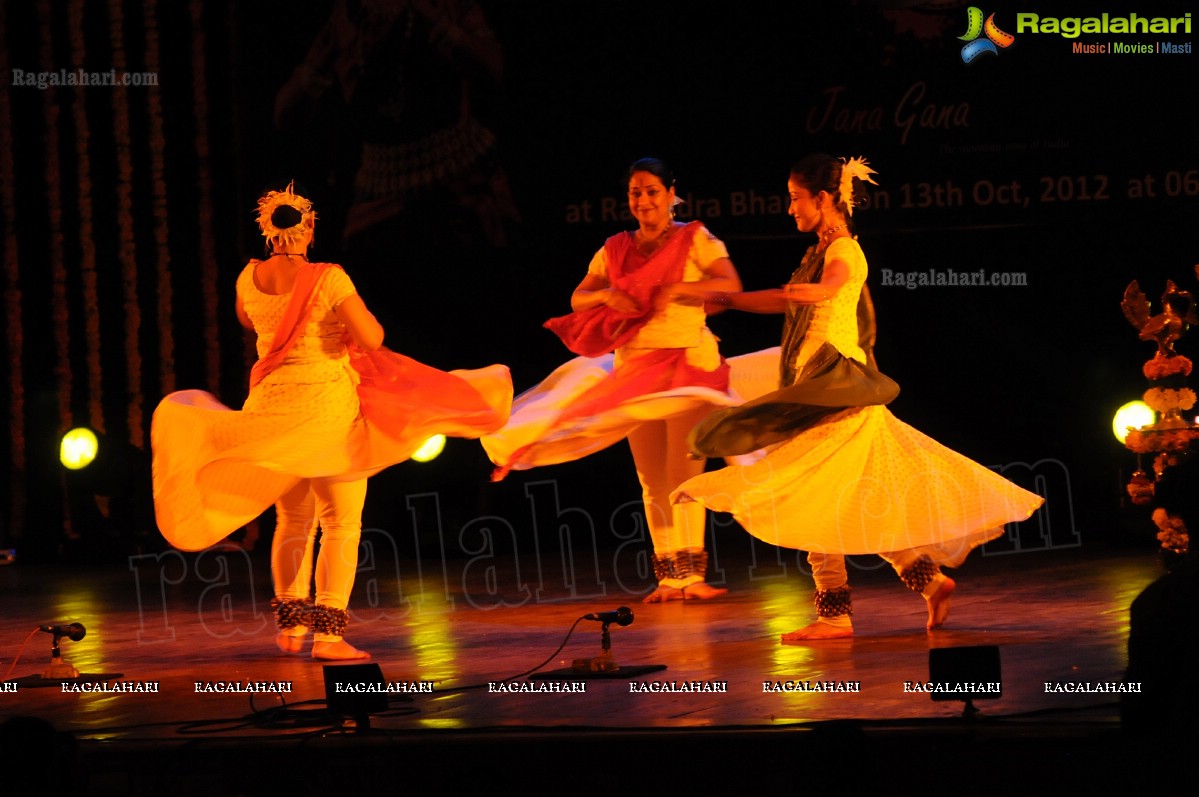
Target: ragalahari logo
[[975, 27]]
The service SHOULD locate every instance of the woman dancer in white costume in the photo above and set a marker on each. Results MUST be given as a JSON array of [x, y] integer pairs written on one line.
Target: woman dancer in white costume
[[650, 371], [328, 407], [846, 476]]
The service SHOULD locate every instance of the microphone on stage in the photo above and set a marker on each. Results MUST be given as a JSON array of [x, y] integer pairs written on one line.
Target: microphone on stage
[[76, 631], [622, 616]]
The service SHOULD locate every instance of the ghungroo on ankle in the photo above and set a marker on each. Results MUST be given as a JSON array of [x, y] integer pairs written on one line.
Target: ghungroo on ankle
[[834, 602], [919, 574], [685, 563], [291, 612], [327, 620]]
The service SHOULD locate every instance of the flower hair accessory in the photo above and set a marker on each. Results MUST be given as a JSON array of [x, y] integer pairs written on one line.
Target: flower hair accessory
[[854, 167], [272, 201]]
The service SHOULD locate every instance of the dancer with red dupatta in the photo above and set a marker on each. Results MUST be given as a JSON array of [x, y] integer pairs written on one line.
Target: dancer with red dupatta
[[328, 407], [649, 369]]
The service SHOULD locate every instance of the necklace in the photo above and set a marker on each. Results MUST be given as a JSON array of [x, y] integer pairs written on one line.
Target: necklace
[[300, 255], [826, 237], [649, 245]]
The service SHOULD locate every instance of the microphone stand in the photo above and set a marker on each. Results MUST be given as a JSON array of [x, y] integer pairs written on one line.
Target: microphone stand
[[61, 670], [604, 662], [58, 668], [603, 666]]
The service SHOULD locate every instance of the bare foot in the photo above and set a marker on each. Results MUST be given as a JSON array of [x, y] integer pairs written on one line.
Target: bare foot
[[337, 651], [818, 630], [938, 604], [663, 594], [702, 591], [291, 640]]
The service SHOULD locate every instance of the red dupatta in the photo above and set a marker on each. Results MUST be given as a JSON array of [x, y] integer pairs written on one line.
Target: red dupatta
[[292, 323], [404, 399], [600, 330]]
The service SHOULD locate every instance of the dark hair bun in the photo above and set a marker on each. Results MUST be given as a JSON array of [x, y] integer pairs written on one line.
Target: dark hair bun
[[654, 166], [286, 217]]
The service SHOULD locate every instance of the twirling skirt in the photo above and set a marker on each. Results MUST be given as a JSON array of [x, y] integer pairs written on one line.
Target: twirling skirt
[[216, 468], [862, 481], [589, 404]]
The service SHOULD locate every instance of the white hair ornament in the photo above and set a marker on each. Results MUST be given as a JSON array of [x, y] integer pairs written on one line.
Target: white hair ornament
[[853, 168], [272, 201]]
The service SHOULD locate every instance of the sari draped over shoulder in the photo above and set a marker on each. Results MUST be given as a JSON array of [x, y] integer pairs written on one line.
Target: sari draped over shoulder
[[828, 383], [216, 468], [842, 474], [596, 399], [602, 330]]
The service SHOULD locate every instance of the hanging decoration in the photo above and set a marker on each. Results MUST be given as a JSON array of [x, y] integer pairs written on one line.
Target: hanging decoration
[[208, 269], [59, 307], [86, 226], [1172, 437], [158, 185], [127, 243], [14, 331]]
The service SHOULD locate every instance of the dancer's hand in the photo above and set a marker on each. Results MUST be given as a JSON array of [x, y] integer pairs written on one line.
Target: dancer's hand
[[620, 301], [685, 293]]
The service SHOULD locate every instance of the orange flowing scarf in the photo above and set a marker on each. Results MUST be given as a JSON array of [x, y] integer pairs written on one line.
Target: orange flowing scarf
[[404, 399], [292, 323]]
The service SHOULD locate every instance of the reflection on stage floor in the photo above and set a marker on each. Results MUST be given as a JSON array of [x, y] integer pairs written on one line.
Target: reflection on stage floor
[[447, 640]]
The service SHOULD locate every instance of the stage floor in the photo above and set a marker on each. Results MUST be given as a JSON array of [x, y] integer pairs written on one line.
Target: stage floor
[[181, 624]]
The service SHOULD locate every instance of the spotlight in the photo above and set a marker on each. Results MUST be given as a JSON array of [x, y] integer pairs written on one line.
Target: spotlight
[[430, 448], [78, 448], [107, 483], [1134, 414]]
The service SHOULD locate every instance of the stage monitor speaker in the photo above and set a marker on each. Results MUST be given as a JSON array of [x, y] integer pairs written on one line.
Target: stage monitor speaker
[[345, 695], [968, 673]]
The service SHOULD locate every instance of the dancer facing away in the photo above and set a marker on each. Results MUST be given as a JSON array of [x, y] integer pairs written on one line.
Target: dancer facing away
[[649, 370], [846, 476], [328, 407]]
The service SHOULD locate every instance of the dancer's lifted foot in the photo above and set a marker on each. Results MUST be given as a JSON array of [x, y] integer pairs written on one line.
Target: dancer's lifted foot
[[938, 604], [291, 640]]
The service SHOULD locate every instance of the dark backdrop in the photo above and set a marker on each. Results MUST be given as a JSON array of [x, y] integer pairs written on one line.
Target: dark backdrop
[[128, 214]]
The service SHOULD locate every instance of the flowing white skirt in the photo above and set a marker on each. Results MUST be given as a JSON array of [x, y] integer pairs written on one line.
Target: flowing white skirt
[[862, 481]]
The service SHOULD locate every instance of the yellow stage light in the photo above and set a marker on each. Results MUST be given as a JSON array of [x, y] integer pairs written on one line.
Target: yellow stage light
[[78, 448], [430, 448], [1134, 414]]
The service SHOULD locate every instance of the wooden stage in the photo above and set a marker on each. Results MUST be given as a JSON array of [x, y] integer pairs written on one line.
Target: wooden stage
[[188, 622]]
